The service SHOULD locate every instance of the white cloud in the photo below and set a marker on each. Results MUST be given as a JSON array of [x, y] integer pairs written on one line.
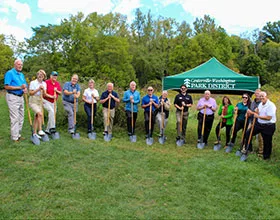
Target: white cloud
[[21, 9], [232, 14], [126, 7], [72, 7], [7, 29]]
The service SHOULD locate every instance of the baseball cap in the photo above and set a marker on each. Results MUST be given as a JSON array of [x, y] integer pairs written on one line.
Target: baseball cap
[[54, 73]]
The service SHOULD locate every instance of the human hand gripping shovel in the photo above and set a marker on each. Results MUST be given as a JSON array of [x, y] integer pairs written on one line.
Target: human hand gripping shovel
[[35, 140], [244, 151], [132, 137], [238, 153], [55, 135], [218, 145], [180, 142], [149, 139], [75, 135], [45, 137], [230, 144], [201, 144], [92, 134], [162, 138], [107, 136]]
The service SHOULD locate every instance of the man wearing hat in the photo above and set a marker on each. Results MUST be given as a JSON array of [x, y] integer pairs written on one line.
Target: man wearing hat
[[52, 92]]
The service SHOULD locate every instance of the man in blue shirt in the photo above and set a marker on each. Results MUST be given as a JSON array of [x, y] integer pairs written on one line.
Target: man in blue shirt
[[148, 101], [132, 99], [71, 91], [16, 86], [111, 95]]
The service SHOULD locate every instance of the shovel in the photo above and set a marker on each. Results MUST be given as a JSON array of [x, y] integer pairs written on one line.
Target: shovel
[[92, 135], [180, 142], [238, 153], [244, 152], [45, 137], [75, 135], [133, 136], [55, 135], [35, 140], [149, 139], [230, 144], [162, 138], [201, 144], [107, 137], [218, 145]]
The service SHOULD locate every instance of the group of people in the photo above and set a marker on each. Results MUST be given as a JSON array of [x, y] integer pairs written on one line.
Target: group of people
[[44, 94]]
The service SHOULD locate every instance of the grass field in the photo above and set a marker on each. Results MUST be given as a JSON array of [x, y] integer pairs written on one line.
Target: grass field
[[81, 179]]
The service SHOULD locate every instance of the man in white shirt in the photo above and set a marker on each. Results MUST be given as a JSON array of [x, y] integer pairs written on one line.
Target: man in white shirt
[[265, 116]]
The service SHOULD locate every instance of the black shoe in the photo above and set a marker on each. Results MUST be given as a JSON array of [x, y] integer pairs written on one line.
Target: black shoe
[[177, 138]]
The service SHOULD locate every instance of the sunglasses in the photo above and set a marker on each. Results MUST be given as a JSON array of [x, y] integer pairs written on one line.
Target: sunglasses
[[150, 90], [244, 97]]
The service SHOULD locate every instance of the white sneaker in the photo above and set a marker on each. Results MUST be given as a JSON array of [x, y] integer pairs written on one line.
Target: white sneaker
[[41, 133], [37, 136]]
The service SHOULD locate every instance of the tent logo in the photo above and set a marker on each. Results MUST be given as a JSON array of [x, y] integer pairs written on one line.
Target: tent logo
[[187, 82]]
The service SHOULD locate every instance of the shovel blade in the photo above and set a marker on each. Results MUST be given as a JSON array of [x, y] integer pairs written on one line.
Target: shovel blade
[[161, 140], [35, 140], [217, 147], [180, 143], [55, 135], [200, 145], [149, 141], [107, 137], [228, 149], [243, 157], [132, 138], [45, 138], [92, 136], [238, 153], [76, 136]]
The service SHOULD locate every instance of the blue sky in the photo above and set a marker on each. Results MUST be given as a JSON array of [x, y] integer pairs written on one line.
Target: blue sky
[[18, 16]]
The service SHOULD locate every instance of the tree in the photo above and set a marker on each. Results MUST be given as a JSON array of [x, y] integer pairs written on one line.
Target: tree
[[271, 31], [6, 56]]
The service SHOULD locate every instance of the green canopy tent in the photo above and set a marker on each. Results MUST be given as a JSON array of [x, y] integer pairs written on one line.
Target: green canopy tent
[[213, 76]]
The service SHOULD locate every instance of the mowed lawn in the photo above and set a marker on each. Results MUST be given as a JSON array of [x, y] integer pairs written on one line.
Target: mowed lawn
[[82, 179]]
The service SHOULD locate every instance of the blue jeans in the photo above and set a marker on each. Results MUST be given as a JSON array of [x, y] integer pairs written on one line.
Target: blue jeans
[[87, 108]]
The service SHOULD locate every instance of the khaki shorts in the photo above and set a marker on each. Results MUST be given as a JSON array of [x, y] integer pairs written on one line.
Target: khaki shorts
[[35, 104]]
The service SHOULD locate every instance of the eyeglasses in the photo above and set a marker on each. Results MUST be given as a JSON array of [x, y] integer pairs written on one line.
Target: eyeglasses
[[150, 90], [244, 97]]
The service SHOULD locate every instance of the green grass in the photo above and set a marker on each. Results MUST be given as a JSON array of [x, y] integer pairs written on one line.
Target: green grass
[[81, 179]]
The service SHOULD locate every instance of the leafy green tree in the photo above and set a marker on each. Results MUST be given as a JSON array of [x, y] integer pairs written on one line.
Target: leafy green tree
[[6, 56], [271, 32]]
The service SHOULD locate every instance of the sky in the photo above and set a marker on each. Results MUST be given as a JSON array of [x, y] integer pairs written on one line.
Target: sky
[[236, 17]]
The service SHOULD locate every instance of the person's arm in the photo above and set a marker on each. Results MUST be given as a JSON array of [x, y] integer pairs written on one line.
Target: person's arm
[[126, 97], [166, 105], [104, 99], [155, 103], [115, 97], [145, 105], [137, 98]]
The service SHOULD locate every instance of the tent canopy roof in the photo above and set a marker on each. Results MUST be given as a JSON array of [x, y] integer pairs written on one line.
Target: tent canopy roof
[[213, 76]]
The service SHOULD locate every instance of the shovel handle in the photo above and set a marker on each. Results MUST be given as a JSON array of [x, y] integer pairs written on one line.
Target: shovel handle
[[244, 130], [92, 110], [251, 134], [131, 107], [54, 106], [42, 108], [108, 118], [234, 121], [75, 111], [220, 127], [150, 119], [28, 110], [203, 122]]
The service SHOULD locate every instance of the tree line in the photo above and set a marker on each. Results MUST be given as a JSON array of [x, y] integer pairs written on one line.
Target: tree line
[[108, 47]]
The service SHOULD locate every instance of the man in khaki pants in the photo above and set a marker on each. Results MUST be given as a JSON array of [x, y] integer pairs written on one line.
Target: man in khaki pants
[[16, 86], [104, 100]]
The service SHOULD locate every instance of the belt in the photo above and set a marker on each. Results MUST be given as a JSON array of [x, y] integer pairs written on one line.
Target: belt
[[15, 94], [265, 124], [206, 114]]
